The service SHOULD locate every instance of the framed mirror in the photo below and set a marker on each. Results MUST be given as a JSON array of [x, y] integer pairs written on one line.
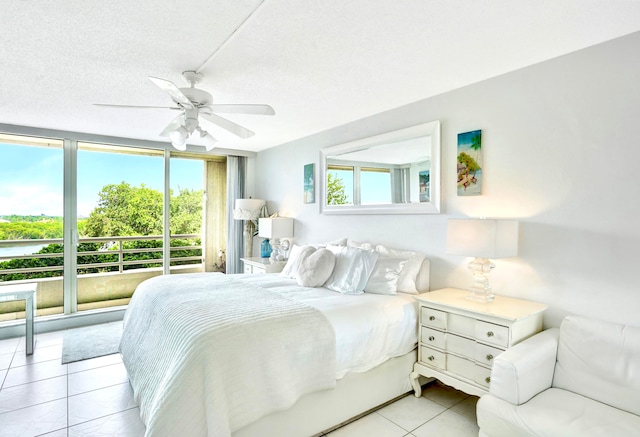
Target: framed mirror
[[393, 173]]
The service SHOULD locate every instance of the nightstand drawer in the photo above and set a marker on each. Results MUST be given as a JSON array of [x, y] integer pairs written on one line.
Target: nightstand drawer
[[486, 354], [248, 268], [461, 346], [461, 325], [433, 318], [482, 376], [459, 365], [492, 334], [432, 337], [433, 357]]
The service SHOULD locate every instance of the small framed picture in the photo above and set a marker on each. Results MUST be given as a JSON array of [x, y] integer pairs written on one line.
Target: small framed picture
[[424, 177], [309, 184], [469, 163]]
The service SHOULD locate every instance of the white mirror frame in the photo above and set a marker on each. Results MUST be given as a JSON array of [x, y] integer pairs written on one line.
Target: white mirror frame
[[432, 207]]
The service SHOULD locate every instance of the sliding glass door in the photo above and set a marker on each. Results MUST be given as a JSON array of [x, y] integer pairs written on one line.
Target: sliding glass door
[[123, 213], [31, 220]]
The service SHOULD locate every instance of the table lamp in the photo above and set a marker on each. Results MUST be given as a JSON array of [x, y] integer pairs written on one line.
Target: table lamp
[[275, 228], [482, 239], [249, 211]]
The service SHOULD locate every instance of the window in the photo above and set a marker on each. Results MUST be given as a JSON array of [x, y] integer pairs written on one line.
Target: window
[[31, 219], [125, 212], [119, 221], [186, 218]]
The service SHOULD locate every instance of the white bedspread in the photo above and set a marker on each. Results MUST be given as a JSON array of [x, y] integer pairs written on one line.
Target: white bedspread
[[369, 328], [208, 353]]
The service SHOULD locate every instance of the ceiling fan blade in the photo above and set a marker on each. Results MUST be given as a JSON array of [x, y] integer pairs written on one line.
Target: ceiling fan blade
[[134, 106], [175, 124], [244, 109], [173, 91], [229, 125]]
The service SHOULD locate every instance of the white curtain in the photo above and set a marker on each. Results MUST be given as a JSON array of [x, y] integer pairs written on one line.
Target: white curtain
[[236, 168]]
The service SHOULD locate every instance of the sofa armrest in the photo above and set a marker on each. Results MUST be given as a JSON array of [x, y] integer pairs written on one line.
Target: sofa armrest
[[526, 369]]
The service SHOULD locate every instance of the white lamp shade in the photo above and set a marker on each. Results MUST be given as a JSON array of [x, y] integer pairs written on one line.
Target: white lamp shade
[[277, 227], [247, 209], [482, 238]]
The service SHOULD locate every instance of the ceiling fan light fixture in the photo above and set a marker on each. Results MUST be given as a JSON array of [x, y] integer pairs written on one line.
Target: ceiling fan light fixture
[[180, 146], [178, 138], [208, 141]]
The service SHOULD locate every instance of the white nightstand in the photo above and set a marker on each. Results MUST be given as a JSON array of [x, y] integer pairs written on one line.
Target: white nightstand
[[262, 265], [459, 338]]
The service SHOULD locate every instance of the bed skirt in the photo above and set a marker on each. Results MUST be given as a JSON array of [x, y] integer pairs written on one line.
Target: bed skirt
[[354, 395]]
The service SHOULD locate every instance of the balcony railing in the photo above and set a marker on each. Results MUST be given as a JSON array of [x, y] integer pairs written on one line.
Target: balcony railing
[[107, 275], [108, 248]]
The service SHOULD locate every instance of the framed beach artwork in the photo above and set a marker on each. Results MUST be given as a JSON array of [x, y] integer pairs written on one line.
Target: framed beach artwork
[[309, 184], [423, 178], [470, 163]]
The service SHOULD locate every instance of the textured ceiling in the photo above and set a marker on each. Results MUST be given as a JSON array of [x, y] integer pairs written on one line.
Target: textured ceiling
[[319, 63]]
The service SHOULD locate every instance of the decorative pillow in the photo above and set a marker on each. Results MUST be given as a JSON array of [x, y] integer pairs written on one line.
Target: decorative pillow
[[352, 270], [315, 267], [408, 275], [385, 276], [291, 267]]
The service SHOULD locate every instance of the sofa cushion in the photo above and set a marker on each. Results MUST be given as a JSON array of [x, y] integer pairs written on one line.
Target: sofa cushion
[[554, 412], [601, 361]]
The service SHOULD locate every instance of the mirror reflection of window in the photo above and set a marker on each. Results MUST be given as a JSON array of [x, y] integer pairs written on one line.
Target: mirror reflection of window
[[340, 185], [393, 172], [375, 185]]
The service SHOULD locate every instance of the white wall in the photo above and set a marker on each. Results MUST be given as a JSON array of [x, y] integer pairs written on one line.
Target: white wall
[[561, 145]]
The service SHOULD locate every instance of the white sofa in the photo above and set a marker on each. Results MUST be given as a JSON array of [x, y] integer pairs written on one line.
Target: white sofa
[[582, 379]]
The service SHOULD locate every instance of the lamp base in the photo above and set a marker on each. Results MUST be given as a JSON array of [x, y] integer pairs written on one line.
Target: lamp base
[[481, 290], [249, 228], [276, 256]]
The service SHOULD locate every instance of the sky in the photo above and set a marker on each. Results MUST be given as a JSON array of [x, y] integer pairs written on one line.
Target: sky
[[31, 177]]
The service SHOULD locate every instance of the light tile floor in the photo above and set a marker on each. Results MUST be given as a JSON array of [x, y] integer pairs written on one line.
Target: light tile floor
[[39, 396]]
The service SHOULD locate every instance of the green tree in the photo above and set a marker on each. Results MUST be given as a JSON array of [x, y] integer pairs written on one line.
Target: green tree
[[30, 230], [186, 212], [335, 190], [125, 210]]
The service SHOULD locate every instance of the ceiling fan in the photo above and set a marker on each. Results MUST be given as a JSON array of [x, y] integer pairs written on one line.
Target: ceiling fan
[[193, 103]]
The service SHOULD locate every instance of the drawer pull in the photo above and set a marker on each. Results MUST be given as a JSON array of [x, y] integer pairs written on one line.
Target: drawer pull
[[489, 357], [431, 338], [490, 334], [487, 379], [432, 318], [431, 358]]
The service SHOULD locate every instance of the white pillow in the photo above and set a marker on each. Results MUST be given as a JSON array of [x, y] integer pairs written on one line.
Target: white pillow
[[291, 267], [315, 267], [385, 276], [352, 270], [408, 275]]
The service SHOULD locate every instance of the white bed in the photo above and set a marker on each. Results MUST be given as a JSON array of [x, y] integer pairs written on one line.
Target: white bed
[[373, 353]]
